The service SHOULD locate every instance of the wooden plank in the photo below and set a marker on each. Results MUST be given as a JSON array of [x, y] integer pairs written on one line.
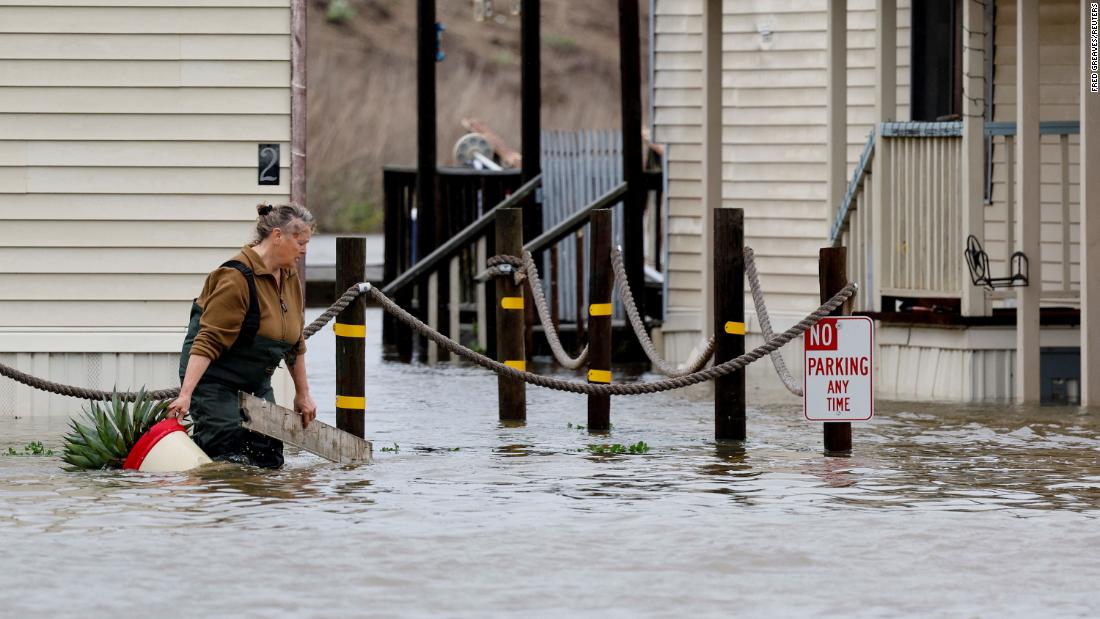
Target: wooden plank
[[145, 47], [138, 20], [84, 313], [146, 73], [140, 154], [131, 207], [100, 286], [318, 438], [111, 260], [225, 127], [150, 3], [140, 100], [90, 180], [1028, 195]]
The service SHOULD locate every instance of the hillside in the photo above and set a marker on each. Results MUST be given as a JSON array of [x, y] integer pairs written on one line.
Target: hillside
[[361, 81]]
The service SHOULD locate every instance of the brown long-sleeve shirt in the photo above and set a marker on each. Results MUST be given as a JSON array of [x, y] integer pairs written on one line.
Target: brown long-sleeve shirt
[[224, 303]]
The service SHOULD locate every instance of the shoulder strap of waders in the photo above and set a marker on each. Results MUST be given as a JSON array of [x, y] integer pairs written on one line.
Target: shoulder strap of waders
[[251, 324]]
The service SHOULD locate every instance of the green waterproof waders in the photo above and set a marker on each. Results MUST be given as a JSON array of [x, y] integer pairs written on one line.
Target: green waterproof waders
[[215, 407]]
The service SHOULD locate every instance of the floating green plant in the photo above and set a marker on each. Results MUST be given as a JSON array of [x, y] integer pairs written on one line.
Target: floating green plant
[[618, 448], [396, 448], [33, 448]]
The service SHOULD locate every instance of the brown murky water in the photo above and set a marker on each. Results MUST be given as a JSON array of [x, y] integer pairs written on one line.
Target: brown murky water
[[941, 511]]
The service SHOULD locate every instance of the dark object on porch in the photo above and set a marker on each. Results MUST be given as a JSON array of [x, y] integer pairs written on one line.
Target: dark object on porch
[[1060, 375], [978, 261]]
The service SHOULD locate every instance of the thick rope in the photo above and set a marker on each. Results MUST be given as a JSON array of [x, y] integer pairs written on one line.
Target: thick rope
[[678, 382], [340, 305], [556, 348], [163, 394], [766, 323], [503, 265], [635, 318]]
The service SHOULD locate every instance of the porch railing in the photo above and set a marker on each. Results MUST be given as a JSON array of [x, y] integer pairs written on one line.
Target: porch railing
[[922, 253], [852, 222], [924, 244], [1057, 269]]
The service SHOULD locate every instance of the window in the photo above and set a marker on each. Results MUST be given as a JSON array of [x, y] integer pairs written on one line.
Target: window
[[935, 87]]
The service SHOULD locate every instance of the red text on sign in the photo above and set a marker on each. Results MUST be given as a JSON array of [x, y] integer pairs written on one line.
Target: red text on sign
[[822, 336], [839, 366]]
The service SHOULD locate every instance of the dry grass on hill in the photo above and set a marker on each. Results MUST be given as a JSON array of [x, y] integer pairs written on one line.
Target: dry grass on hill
[[362, 89]]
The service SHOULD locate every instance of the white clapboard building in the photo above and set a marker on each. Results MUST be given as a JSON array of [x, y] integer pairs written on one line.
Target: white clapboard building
[[897, 129], [130, 139]]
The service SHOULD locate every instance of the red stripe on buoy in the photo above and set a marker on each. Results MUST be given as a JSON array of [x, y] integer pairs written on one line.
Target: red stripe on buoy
[[149, 440]]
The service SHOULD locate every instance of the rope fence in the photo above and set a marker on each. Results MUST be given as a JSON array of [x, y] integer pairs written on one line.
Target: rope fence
[[524, 269]]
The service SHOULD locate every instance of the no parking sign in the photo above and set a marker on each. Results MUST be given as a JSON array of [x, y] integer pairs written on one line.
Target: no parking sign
[[839, 370]]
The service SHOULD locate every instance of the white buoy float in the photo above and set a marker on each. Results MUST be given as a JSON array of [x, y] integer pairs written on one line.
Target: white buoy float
[[165, 448]]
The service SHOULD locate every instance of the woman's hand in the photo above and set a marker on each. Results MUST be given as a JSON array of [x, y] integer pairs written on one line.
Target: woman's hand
[[304, 404], [179, 407]]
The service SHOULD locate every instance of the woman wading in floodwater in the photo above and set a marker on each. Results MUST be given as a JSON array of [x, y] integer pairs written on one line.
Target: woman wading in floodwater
[[248, 318]]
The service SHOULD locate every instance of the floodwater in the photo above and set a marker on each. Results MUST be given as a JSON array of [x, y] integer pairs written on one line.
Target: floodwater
[[940, 511]]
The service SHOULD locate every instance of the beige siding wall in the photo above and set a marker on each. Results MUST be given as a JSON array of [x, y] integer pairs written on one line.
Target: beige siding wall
[[1059, 94], [774, 139], [128, 153]]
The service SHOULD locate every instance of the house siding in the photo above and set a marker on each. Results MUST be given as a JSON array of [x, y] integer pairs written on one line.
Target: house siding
[[774, 141], [128, 163]]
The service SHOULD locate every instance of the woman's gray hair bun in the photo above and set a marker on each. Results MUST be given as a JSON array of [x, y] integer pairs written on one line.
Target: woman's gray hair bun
[[290, 218]]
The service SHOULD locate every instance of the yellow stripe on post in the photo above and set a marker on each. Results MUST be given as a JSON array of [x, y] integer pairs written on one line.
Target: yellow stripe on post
[[599, 376], [519, 365], [735, 328], [511, 303], [343, 330], [599, 309], [351, 402]]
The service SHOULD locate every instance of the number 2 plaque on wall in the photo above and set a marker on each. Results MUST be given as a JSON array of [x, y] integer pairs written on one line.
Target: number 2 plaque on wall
[[268, 166]]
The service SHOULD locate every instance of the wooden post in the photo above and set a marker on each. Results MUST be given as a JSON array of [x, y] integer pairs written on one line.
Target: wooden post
[[351, 330], [390, 249], [973, 146], [634, 200], [530, 113], [482, 309], [729, 321], [454, 302], [886, 104], [1090, 217], [433, 316], [511, 392], [1028, 199], [712, 154], [426, 188], [580, 290], [832, 275], [554, 295], [836, 103], [298, 20], [600, 279]]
